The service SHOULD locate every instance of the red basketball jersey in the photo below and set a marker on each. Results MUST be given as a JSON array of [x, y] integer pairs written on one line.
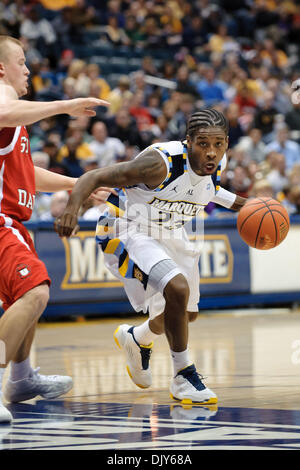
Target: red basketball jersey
[[17, 179]]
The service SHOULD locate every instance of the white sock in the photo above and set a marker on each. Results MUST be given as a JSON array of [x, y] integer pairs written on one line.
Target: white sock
[[20, 370], [143, 334], [181, 360]]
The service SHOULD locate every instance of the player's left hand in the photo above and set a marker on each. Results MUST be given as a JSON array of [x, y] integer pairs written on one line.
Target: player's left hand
[[66, 225]]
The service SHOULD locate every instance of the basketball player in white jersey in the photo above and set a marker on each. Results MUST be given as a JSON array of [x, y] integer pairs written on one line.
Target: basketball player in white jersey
[[147, 246]]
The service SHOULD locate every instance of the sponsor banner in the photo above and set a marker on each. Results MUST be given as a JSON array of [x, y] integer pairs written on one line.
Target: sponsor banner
[[76, 265], [231, 273]]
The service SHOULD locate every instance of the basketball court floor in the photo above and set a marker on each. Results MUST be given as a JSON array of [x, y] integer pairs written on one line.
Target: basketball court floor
[[251, 360]]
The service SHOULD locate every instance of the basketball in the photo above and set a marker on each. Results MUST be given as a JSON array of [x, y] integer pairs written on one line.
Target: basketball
[[263, 223]]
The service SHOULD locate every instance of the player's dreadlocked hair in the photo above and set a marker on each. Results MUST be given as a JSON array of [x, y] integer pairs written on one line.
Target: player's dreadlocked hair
[[206, 118]]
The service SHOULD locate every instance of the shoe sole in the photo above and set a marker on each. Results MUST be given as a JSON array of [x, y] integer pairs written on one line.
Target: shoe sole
[[127, 367], [188, 401]]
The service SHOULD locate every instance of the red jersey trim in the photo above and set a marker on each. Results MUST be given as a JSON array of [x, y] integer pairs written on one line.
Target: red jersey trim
[[9, 148]]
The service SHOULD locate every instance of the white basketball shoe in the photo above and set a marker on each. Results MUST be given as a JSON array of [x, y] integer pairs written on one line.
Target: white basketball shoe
[[188, 388], [137, 356], [47, 386], [5, 414]]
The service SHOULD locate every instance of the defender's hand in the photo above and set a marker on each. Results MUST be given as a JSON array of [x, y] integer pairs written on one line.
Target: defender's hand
[[83, 106]]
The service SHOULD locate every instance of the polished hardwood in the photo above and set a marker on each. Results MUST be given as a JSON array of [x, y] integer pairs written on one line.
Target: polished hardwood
[[250, 358]]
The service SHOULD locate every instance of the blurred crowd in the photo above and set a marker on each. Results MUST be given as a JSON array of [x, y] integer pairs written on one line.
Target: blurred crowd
[[239, 56]]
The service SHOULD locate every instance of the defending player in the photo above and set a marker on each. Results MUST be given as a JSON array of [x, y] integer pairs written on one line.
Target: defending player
[[165, 185], [24, 281]]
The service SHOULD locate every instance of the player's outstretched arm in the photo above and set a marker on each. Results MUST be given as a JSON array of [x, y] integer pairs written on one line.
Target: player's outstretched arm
[[49, 182], [149, 169], [15, 112]]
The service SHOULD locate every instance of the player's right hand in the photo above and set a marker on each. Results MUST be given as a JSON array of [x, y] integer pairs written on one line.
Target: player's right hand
[[83, 106], [66, 224]]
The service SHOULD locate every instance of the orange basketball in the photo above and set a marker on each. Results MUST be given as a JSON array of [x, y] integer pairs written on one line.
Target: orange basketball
[[263, 223]]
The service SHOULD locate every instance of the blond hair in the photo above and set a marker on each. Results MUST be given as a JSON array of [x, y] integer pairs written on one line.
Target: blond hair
[[3, 45]]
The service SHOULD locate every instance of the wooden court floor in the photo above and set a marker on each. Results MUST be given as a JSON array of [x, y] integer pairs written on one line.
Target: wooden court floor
[[250, 358]]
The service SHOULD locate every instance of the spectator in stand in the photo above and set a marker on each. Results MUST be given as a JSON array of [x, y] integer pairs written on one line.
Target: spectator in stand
[[281, 90], [124, 128], [244, 98], [51, 149], [272, 56], [77, 71], [253, 145], [68, 88], [112, 8], [135, 38], [209, 88], [93, 72], [168, 70], [294, 174], [160, 130], [40, 33], [65, 29], [264, 118], [152, 32], [195, 32], [118, 94], [235, 128], [154, 105], [286, 198], [69, 158], [11, 18], [277, 176], [139, 84], [40, 132], [105, 149], [58, 202], [262, 188], [282, 144], [184, 83], [239, 181], [141, 114], [148, 66], [185, 108], [82, 124], [292, 119], [222, 42], [115, 35], [83, 149]]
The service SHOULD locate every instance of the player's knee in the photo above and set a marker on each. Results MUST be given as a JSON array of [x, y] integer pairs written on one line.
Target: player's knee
[[177, 291], [193, 316], [38, 298]]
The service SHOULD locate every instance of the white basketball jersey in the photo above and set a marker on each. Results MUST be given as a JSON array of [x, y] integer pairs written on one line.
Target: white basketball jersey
[[138, 217], [181, 197]]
